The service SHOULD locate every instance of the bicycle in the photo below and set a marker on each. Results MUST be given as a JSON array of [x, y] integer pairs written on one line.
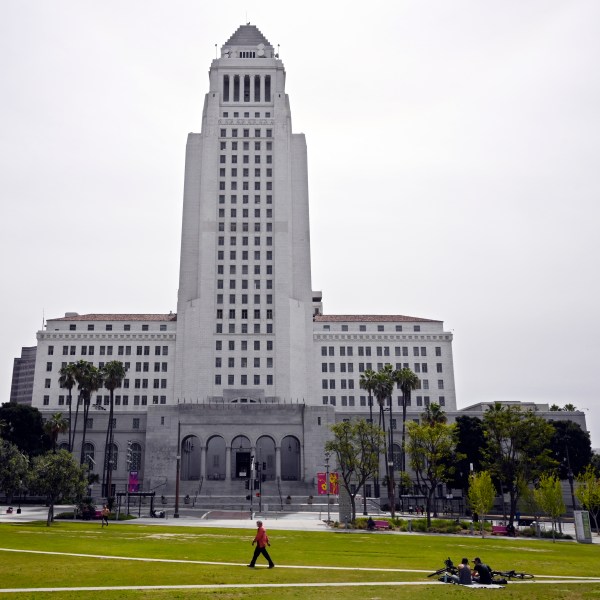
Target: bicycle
[[447, 572], [512, 574]]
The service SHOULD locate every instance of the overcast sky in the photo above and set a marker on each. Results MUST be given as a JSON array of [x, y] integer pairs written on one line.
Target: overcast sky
[[454, 174]]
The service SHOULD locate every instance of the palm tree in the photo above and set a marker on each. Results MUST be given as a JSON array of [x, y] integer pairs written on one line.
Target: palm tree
[[384, 387], [89, 380], [113, 374], [367, 382], [55, 425], [434, 414], [407, 381], [66, 380]]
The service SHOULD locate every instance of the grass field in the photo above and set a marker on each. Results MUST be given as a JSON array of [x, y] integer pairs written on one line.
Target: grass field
[[83, 555]]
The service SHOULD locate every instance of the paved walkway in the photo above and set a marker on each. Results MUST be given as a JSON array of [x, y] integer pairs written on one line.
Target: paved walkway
[[309, 521]]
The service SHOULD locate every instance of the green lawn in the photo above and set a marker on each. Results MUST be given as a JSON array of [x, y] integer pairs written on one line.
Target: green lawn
[[295, 553]]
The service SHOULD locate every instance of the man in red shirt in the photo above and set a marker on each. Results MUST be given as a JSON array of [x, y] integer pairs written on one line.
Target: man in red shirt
[[262, 541]]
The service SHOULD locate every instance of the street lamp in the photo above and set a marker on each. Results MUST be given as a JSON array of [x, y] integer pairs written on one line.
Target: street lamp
[[327, 456], [177, 469]]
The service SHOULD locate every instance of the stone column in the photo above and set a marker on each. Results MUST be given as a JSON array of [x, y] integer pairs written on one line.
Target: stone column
[[203, 461], [228, 463], [277, 462]]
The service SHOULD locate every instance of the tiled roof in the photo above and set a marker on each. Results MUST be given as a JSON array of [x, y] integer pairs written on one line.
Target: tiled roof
[[247, 35], [370, 319], [111, 317]]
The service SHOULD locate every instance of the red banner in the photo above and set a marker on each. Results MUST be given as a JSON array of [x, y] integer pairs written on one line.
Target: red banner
[[322, 484], [334, 487]]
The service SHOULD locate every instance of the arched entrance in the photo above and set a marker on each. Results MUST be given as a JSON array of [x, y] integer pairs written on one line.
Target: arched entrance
[[240, 457], [265, 455], [190, 458], [215, 458], [290, 458]]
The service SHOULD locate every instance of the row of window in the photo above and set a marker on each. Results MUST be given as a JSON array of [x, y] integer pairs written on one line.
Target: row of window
[[350, 401], [109, 327], [379, 328], [244, 268], [231, 328], [108, 350], [379, 350], [348, 384], [244, 255], [243, 362], [243, 345], [233, 241], [233, 226], [256, 379], [134, 455], [245, 186], [233, 160], [120, 400], [246, 200], [243, 314], [244, 298], [349, 367], [247, 115], [245, 133]]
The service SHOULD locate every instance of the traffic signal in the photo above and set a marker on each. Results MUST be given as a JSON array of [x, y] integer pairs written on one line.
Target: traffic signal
[[129, 454], [258, 494], [247, 484], [256, 484], [248, 496]]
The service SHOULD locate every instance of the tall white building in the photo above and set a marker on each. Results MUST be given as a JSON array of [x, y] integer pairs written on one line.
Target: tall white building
[[249, 365]]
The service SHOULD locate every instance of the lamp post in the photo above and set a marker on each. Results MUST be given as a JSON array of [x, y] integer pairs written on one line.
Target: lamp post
[[327, 455], [176, 513], [570, 477]]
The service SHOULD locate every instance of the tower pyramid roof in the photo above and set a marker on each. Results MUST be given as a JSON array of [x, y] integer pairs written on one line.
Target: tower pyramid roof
[[247, 35]]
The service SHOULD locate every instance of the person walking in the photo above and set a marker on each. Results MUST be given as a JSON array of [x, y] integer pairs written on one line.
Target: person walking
[[261, 539], [104, 514]]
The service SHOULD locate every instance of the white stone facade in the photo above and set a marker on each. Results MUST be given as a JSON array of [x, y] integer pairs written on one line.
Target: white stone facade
[[249, 365]]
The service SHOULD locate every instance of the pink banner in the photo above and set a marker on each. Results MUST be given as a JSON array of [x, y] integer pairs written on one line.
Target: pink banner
[[134, 484], [322, 483], [334, 486]]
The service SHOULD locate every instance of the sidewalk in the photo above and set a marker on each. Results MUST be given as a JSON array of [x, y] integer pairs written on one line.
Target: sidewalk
[[308, 521]]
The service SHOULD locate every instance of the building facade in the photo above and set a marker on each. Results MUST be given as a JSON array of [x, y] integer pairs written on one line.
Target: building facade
[[250, 365]]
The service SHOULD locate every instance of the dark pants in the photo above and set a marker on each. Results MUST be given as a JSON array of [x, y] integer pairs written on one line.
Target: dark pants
[[262, 551]]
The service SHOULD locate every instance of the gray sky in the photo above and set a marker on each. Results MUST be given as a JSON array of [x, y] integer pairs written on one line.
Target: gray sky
[[453, 168]]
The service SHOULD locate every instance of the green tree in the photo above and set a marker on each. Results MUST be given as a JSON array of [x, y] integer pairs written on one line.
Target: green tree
[[517, 449], [67, 381], [481, 495], [355, 445], [367, 382], [89, 380], [113, 374], [24, 427], [431, 448], [588, 493], [14, 466], [471, 439], [407, 381], [548, 496], [54, 426], [384, 387], [434, 414], [571, 447], [57, 476]]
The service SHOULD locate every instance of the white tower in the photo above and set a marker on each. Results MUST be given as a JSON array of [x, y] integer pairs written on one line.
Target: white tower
[[244, 330]]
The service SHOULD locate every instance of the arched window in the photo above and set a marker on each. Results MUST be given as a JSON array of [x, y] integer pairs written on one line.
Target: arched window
[[88, 454], [136, 457], [226, 88], [113, 456]]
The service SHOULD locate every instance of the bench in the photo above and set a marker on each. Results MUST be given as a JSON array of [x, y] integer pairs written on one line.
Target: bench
[[382, 525], [499, 530]]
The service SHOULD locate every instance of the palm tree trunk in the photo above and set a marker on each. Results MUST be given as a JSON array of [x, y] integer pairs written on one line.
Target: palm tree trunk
[[86, 409], [70, 423], [75, 424], [109, 466]]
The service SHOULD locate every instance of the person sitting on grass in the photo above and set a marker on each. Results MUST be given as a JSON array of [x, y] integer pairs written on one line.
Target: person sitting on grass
[[481, 572], [464, 573]]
